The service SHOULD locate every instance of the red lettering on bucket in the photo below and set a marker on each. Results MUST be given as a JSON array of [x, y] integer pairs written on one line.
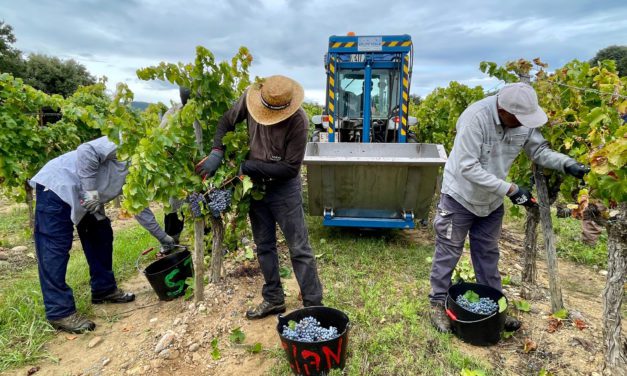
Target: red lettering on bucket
[[328, 353], [286, 347], [306, 354], [295, 358]]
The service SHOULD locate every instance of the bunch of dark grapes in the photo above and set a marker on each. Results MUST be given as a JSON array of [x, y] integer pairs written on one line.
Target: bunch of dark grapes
[[485, 306], [219, 200], [309, 330], [195, 201]]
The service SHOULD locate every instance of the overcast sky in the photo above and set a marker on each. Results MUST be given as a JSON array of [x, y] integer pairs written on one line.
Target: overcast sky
[[451, 38]]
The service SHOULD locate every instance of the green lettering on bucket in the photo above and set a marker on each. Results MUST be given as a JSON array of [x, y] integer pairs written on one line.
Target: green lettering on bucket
[[179, 285]]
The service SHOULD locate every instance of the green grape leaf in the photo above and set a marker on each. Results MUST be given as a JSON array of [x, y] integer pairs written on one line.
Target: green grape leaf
[[502, 304], [471, 296], [237, 336], [522, 305]]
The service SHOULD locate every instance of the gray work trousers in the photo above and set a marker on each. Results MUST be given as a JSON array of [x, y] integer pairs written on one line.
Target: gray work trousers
[[283, 205], [451, 224]]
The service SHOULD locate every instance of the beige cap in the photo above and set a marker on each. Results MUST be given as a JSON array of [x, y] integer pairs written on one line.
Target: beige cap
[[520, 100]]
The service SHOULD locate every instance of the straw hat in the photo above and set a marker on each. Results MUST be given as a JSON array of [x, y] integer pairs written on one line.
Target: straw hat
[[274, 99]]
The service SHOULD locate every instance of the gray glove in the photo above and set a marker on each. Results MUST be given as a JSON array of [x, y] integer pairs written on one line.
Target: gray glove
[[209, 165], [91, 201], [167, 245]]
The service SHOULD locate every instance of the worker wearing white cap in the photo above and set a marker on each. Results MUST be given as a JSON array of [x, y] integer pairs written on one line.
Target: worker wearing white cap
[[490, 135]]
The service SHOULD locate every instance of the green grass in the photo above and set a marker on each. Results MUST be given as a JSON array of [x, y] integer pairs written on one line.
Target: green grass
[[381, 280], [14, 229], [23, 327], [569, 245], [568, 242]]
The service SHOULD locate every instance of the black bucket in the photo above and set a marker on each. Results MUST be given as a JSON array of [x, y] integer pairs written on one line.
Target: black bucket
[[474, 328], [316, 358], [167, 275]]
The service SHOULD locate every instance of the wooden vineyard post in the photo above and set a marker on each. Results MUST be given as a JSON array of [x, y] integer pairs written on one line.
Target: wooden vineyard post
[[615, 352], [29, 203], [199, 259], [549, 239], [529, 272], [217, 228], [199, 237]]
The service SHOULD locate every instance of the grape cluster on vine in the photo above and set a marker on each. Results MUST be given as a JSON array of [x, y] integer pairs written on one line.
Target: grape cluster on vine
[[195, 201], [309, 330], [219, 200]]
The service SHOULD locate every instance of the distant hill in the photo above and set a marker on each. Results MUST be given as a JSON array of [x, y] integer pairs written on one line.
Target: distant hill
[[140, 105]]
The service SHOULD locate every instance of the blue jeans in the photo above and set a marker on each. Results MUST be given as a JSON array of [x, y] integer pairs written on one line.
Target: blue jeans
[[283, 204], [451, 224], [53, 241]]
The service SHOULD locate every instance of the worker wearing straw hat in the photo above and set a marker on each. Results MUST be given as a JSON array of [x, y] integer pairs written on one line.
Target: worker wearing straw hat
[[277, 127]]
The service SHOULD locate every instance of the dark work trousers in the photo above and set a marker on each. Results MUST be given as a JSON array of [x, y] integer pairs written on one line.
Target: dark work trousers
[[173, 225], [283, 204], [53, 241], [451, 224]]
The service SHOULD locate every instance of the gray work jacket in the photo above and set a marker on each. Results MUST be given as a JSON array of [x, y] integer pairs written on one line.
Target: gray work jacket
[[93, 166], [483, 153]]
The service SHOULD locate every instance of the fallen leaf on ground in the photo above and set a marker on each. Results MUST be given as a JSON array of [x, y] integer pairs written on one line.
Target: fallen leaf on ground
[[580, 324], [71, 338], [554, 325], [529, 345]]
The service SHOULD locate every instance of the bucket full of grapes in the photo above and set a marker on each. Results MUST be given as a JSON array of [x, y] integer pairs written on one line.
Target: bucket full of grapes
[[477, 312], [315, 339]]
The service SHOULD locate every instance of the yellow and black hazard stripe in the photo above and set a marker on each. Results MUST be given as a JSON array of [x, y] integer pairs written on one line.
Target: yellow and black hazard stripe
[[331, 94], [397, 43], [405, 105], [392, 43]]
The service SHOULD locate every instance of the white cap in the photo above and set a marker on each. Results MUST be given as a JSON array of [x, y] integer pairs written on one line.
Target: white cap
[[520, 100]]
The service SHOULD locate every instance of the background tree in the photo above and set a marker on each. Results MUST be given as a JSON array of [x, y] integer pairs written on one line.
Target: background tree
[[616, 53], [415, 99], [10, 57], [55, 76]]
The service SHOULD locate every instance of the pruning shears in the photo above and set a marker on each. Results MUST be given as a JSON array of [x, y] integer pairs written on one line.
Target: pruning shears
[[162, 254]]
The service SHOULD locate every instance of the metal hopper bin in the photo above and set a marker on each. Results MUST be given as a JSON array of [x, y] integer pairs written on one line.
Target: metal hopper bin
[[372, 184]]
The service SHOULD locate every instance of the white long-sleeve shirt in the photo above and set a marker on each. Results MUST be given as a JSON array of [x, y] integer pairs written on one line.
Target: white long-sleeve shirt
[[93, 166], [483, 153]]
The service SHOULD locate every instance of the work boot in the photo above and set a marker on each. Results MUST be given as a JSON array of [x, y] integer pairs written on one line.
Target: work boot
[[439, 318], [512, 324], [117, 296], [264, 309], [73, 323]]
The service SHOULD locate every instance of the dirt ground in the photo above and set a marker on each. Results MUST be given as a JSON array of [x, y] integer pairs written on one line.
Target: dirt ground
[[567, 351], [124, 341], [126, 338]]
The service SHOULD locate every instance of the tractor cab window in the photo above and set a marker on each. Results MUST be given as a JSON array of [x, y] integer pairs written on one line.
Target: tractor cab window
[[384, 93], [350, 101]]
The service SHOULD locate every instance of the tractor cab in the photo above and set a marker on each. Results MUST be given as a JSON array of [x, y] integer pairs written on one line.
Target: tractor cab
[[364, 168]]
